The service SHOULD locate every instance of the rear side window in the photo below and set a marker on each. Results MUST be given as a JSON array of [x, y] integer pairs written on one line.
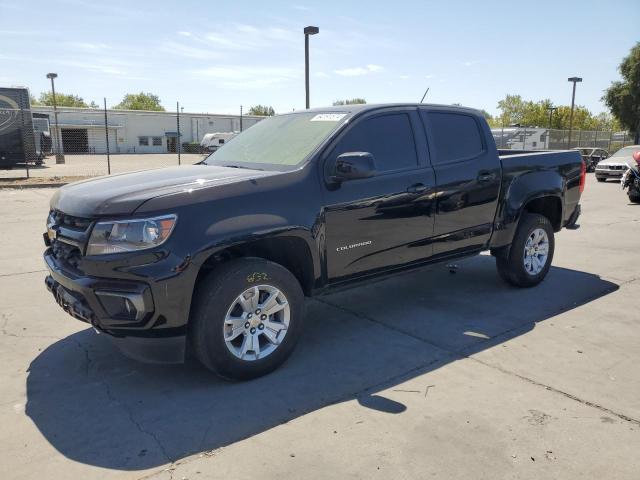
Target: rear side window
[[389, 138], [455, 137]]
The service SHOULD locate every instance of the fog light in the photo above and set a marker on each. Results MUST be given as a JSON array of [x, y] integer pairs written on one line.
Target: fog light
[[122, 305]]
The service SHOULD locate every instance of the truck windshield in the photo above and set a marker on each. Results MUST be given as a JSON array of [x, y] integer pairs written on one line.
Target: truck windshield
[[277, 143]]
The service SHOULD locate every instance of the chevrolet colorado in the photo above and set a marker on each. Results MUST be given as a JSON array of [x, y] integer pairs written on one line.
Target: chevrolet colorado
[[215, 259]]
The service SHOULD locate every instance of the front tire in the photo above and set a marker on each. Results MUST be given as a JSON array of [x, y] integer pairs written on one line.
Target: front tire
[[601, 179], [531, 252], [634, 198], [247, 318]]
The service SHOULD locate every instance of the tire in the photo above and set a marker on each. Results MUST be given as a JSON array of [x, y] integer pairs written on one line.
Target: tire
[[512, 267], [218, 295], [634, 198], [600, 179]]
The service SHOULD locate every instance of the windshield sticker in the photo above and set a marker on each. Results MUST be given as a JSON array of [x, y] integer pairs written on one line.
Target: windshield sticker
[[328, 117]]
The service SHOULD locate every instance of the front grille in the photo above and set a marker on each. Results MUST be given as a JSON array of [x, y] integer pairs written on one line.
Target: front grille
[[75, 223], [68, 255], [70, 239]]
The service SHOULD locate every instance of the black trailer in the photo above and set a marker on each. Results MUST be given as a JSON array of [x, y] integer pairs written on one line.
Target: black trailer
[[17, 143]]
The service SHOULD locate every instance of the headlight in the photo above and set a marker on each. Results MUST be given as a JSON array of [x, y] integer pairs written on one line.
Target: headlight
[[130, 235]]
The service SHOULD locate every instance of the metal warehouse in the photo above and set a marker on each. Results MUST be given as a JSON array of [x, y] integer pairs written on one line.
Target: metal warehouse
[[136, 131]]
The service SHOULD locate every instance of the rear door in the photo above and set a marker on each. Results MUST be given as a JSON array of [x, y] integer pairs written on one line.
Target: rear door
[[468, 175], [387, 220]]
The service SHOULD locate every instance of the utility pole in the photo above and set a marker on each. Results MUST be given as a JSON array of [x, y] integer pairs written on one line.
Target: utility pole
[[551, 110], [59, 153]]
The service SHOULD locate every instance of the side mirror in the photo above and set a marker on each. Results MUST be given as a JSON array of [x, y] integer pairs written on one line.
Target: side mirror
[[354, 165]]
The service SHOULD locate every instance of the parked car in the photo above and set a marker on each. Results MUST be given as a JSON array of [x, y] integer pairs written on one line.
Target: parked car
[[616, 164], [592, 156], [216, 258]]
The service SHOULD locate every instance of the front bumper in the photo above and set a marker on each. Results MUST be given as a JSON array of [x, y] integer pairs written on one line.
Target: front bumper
[[125, 310], [609, 173]]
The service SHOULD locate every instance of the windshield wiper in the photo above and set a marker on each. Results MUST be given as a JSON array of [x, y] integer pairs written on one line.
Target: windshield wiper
[[241, 166]]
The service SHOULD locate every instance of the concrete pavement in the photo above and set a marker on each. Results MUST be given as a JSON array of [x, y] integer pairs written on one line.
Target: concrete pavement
[[423, 375]]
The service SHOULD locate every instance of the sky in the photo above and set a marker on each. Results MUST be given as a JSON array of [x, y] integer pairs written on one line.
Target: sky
[[213, 56]]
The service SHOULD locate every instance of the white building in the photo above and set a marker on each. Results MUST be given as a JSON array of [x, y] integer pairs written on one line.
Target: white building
[[137, 131]]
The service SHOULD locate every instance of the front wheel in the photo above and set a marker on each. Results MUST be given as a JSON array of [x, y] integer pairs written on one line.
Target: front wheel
[[634, 198], [531, 252], [247, 318], [601, 179]]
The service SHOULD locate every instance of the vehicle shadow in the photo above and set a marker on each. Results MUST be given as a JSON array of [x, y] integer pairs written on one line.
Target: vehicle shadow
[[99, 408]]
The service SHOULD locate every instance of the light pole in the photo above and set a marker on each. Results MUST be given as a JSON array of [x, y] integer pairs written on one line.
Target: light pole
[[307, 31], [573, 102], [551, 110], [59, 153]]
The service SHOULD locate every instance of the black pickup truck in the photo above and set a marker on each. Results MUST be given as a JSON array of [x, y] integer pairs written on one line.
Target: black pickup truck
[[215, 259]]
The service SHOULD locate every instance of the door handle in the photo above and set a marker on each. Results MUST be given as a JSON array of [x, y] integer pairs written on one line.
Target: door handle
[[417, 188], [486, 177]]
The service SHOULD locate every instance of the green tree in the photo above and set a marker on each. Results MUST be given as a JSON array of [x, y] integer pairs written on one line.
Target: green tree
[[511, 110], [623, 97], [62, 100], [262, 110], [349, 101], [140, 101]]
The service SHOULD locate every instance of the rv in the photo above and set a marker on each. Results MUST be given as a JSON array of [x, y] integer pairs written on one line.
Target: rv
[[212, 141], [17, 143]]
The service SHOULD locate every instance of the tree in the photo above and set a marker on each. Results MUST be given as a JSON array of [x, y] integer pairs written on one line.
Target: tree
[[350, 101], [140, 101], [516, 111], [262, 110], [623, 97], [62, 100], [512, 110]]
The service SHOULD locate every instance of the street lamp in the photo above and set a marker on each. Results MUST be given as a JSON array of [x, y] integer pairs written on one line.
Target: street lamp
[[307, 31], [59, 154], [573, 102]]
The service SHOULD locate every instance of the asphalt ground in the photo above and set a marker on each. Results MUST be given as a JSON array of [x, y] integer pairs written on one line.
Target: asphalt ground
[[423, 375]]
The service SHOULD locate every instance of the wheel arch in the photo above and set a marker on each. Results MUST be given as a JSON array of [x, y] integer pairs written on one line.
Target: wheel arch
[[290, 251], [539, 192]]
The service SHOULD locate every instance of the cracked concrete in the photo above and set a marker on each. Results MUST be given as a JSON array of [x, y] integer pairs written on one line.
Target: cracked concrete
[[424, 374]]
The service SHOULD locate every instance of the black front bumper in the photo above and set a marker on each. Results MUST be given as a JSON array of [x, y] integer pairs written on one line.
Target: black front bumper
[[92, 301]]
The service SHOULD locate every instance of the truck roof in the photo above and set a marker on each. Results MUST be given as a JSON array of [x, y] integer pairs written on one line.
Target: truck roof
[[358, 108]]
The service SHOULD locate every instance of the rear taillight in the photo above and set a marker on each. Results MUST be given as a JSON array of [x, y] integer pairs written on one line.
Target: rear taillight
[[583, 175]]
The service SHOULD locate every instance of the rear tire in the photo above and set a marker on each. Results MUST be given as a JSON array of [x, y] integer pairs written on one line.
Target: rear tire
[[524, 265], [218, 315]]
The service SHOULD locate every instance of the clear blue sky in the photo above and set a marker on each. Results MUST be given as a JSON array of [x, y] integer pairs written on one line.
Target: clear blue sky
[[214, 56]]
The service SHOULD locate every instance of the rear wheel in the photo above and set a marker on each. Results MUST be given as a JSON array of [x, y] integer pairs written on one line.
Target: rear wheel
[[531, 252], [247, 318]]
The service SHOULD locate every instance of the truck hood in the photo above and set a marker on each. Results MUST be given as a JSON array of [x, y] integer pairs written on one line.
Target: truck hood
[[629, 162], [122, 194]]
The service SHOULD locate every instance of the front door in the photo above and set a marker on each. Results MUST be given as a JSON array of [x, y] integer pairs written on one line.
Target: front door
[[386, 220], [468, 176], [171, 144]]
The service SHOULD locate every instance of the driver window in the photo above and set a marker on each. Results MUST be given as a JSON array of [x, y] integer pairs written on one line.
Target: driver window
[[389, 138]]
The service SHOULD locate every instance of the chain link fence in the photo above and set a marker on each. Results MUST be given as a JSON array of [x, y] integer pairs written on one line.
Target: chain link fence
[[85, 142], [534, 138]]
